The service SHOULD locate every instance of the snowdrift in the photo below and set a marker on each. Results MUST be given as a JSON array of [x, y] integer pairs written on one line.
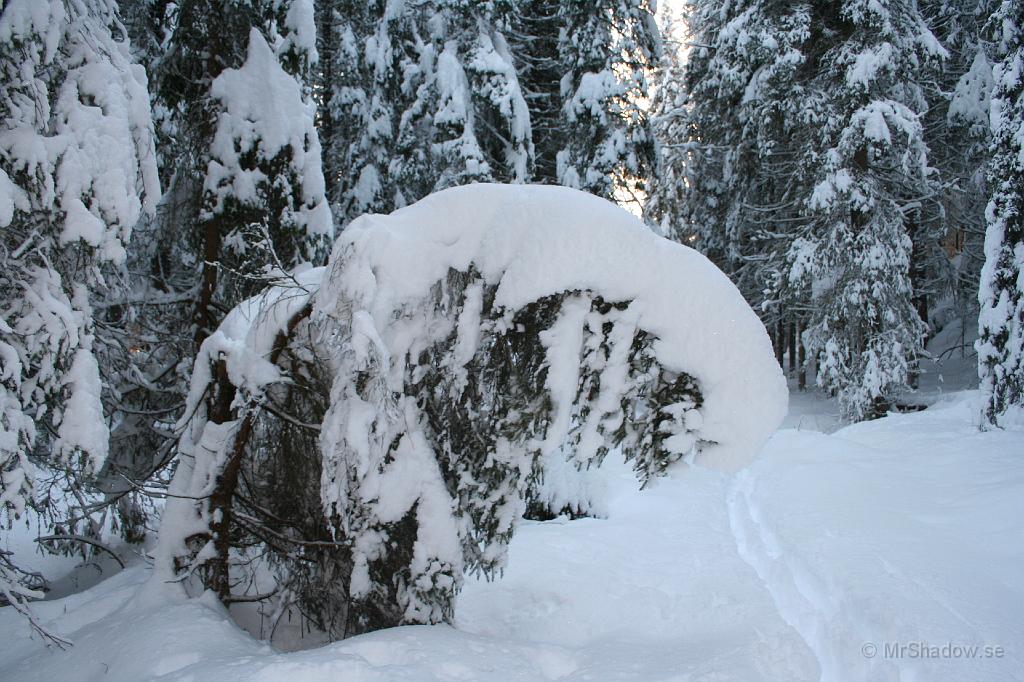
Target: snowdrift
[[449, 357]]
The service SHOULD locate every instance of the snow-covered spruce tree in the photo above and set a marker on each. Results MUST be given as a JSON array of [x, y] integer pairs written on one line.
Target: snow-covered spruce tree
[[356, 104], [533, 28], [184, 46], [260, 187], [710, 130], [608, 47], [667, 189], [444, 358], [871, 172], [745, 124], [436, 143], [742, 147], [1001, 295], [264, 181], [76, 172], [807, 172], [483, 122], [362, 93], [421, 97], [956, 129], [263, 196], [192, 43]]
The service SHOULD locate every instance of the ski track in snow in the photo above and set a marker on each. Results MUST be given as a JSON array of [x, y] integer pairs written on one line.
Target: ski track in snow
[[818, 611], [882, 534]]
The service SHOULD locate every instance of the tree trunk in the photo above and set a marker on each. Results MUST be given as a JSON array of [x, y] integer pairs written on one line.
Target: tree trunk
[[221, 500], [204, 318], [792, 347], [802, 361], [780, 342], [221, 506]]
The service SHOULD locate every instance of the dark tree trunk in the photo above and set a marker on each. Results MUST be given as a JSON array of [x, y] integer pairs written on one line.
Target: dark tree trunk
[[221, 398], [221, 499], [205, 319], [802, 362], [780, 342], [792, 347]]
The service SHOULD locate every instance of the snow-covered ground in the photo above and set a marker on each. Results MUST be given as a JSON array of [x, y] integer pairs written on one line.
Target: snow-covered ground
[[817, 562]]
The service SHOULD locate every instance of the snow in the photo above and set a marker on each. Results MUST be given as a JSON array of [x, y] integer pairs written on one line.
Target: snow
[[867, 64], [905, 530], [265, 113], [493, 64], [90, 137], [535, 240], [11, 197], [970, 101], [454, 112], [593, 91], [83, 427], [261, 101], [301, 30], [949, 493]]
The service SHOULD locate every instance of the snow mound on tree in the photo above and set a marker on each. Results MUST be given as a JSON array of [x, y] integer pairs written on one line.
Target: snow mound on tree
[[265, 115], [534, 241], [481, 349]]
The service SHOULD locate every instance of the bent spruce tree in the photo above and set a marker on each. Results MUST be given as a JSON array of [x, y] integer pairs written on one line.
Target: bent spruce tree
[[374, 430]]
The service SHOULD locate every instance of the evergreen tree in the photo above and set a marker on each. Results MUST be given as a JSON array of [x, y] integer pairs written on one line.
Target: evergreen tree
[[534, 27], [806, 168], [608, 47], [430, 95], [871, 172], [948, 245], [711, 131], [668, 188], [751, 112], [421, 97], [76, 172], [244, 202], [206, 38], [362, 98], [264, 182], [1001, 295], [745, 149], [425, 406]]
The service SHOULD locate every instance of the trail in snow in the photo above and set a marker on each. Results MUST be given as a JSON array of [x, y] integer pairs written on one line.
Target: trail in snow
[[904, 531], [819, 611]]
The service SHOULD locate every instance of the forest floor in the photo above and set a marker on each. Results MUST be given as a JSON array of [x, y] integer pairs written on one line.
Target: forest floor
[[887, 550]]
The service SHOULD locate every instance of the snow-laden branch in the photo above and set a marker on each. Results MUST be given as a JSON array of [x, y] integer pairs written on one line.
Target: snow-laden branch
[[477, 350]]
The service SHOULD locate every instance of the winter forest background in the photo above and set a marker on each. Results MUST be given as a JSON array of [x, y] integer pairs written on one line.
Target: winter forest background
[[856, 168]]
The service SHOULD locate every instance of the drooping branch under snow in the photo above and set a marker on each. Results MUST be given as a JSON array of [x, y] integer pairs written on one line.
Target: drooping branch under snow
[[468, 345]]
